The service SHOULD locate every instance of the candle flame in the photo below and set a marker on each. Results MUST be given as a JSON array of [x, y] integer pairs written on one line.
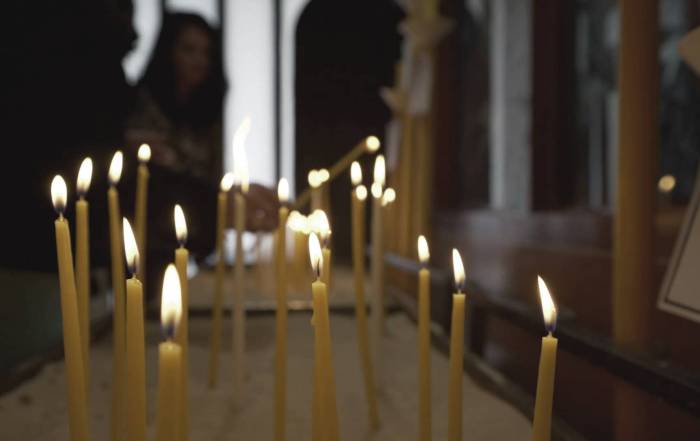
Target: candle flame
[[423, 251], [324, 175], [355, 173], [131, 250], [376, 190], [320, 225], [240, 158], [59, 194], [315, 254], [227, 182], [361, 192], [283, 191], [115, 168], [372, 143], [240, 174], [314, 179], [84, 177], [379, 170], [458, 267], [171, 304], [180, 225], [389, 196], [297, 222], [144, 153], [549, 310]]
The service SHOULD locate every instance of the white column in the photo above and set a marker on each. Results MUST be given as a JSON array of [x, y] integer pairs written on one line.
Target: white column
[[511, 93], [249, 66], [291, 10]]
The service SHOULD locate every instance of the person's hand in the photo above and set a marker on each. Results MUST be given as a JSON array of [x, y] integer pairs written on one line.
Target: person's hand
[[262, 208]]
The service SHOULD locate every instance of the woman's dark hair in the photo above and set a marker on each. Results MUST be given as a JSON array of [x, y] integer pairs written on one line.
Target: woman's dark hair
[[206, 104]]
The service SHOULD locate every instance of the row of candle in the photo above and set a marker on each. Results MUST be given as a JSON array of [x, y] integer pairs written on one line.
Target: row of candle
[[134, 331]]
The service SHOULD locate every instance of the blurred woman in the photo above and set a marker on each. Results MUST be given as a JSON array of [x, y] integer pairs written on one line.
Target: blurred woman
[[180, 99]]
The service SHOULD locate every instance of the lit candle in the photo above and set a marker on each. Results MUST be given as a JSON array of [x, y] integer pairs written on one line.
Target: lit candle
[[118, 287], [326, 398], [135, 343], [377, 261], [368, 145], [316, 195], [182, 335], [358, 198], [225, 186], [454, 425], [281, 313], [424, 341], [241, 175], [388, 199], [75, 378], [169, 361], [542, 421], [141, 211], [82, 261]]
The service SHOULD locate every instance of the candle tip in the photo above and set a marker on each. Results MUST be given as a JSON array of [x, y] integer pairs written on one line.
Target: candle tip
[[458, 268], [180, 225], [131, 250], [171, 304], [144, 153], [115, 168], [423, 250], [283, 191], [361, 192], [549, 310], [355, 173], [59, 194], [84, 177], [379, 170], [372, 143]]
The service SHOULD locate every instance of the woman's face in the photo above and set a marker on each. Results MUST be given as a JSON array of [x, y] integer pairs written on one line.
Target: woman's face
[[192, 56]]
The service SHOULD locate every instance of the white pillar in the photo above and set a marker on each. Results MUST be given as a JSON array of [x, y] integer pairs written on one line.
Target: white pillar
[[511, 93], [291, 10], [249, 65]]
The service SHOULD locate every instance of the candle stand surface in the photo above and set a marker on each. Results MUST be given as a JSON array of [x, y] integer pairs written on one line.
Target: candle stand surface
[[35, 410]]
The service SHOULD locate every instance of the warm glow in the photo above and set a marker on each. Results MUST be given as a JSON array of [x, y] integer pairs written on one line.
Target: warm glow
[[361, 192], [323, 175], [131, 250], [377, 190], [84, 177], [115, 168], [240, 158], [144, 153], [389, 196], [283, 191], [423, 251], [319, 224], [356, 173], [296, 221], [240, 174], [59, 194], [667, 183], [379, 170], [171, 305], [549, 311], [315, 254], [227, 182], [458, 270], [372, 143], [314, 179], [180, 225]]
